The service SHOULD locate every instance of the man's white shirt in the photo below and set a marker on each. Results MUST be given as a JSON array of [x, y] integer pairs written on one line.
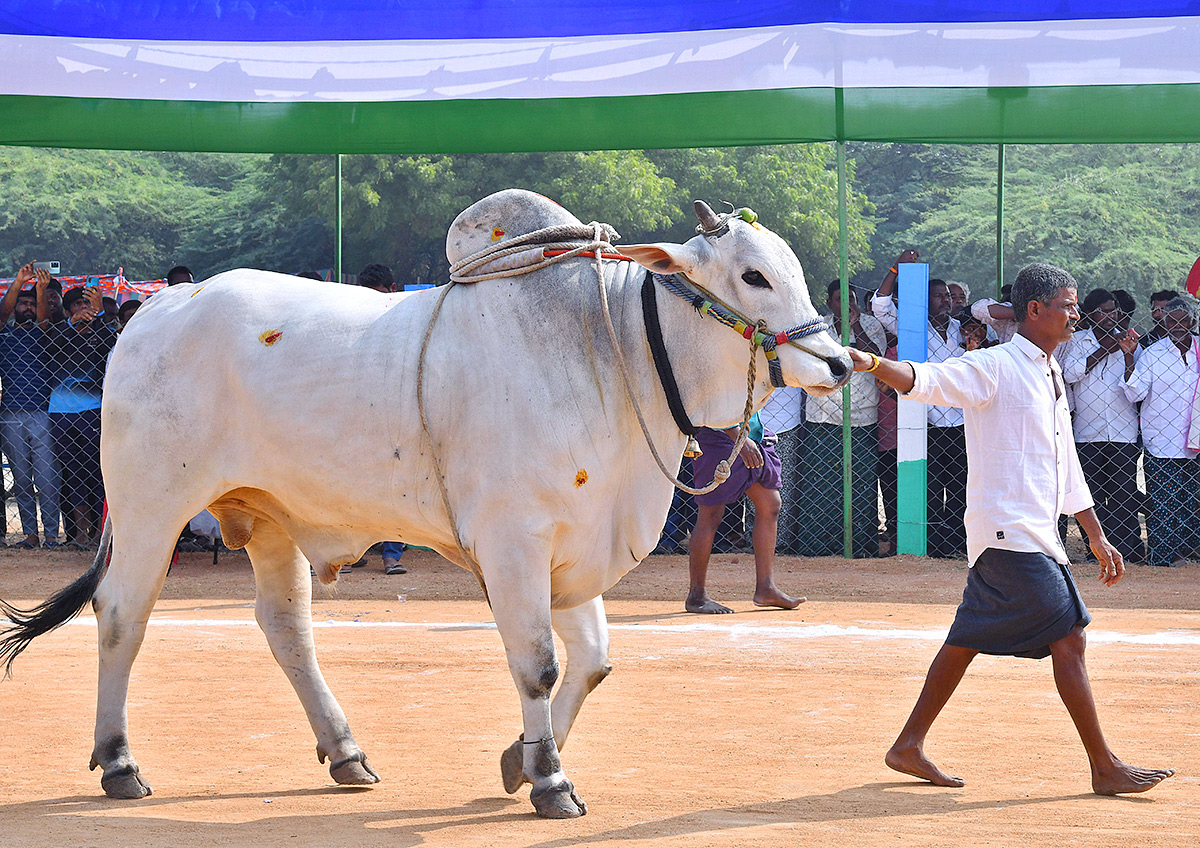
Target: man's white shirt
[[1103, 412], [1022, 470], [1165, 382]]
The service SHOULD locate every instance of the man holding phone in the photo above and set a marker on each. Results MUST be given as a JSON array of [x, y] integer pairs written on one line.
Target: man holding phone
[[24, 400], [77, 350]]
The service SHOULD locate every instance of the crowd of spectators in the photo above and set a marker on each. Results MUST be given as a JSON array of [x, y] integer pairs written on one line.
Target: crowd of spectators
[[52, 360], [1134, 398]]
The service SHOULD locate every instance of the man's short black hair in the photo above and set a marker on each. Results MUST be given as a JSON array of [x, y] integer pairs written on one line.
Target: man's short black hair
[[1095, 299], [1164, 295], [1006, 292], [178, 274], [1125, 301], [934, 281], [72, 296], [1040, 282], [128, 308], [836, 286], [55, 285], [29, 293], [376, 276]]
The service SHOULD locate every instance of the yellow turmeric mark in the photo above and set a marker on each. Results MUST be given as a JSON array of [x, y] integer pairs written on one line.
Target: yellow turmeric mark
[[197, 291], [580, 478], [269, 337]]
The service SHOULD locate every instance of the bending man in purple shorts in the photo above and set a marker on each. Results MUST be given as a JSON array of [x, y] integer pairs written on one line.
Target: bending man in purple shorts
[[756, 473], [1021, 599]]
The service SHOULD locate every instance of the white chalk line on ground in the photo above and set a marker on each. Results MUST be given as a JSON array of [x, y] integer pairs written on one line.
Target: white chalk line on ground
[[734, 631]]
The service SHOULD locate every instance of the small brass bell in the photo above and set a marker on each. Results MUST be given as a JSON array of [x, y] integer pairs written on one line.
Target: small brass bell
[[693, 448]]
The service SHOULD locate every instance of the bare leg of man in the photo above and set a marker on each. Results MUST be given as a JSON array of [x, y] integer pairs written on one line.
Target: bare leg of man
[[708, 519], [1110, 776], [907, 753], [767, 504]]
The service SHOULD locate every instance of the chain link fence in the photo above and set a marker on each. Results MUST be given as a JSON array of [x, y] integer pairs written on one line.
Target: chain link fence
[[1132, 390]]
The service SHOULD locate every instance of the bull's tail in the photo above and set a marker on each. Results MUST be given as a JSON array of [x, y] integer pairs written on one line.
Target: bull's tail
[[67, 603]]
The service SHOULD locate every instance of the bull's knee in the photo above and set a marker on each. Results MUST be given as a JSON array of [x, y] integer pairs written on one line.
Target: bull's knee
[[541, 674]]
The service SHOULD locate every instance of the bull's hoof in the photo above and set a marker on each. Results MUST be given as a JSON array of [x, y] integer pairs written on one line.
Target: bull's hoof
[[126, 783], [353, 771], [558, 801], [512, 767]]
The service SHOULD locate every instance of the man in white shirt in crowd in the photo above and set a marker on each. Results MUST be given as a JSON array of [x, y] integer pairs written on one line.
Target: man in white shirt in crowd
[[946, 452], [1106, 421], [1166, 381], [1021, 599], [997, 315], [822, 530]]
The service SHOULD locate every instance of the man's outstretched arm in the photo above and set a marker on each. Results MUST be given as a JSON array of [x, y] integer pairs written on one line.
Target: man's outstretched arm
[[898, 375]]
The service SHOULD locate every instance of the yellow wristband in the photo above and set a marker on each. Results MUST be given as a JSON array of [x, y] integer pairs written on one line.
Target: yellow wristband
[[874, 362]]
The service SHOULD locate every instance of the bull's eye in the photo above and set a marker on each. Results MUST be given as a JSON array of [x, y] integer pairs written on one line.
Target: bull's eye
[[755, 278]]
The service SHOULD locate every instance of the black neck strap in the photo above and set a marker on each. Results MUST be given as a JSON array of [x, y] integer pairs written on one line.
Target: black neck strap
[[662, 364]]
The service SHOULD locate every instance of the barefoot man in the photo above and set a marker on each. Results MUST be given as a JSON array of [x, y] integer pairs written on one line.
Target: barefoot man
[[757, 474], [1020, 598]]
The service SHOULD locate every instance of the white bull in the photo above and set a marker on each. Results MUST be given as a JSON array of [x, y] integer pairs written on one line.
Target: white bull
[[288, 408]]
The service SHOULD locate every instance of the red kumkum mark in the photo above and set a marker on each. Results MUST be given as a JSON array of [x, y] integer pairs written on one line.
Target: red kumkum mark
[[270, 337], [497, 233], [580, 478]]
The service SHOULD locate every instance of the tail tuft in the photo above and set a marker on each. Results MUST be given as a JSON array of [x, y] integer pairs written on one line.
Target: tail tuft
[[65, 604]]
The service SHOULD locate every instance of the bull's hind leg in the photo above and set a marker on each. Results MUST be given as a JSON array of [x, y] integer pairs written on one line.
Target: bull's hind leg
[[123, 602], [519, 591], [584, 631], [283, 609]]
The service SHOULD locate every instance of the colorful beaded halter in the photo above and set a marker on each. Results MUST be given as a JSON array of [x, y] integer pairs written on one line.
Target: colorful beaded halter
[[707, 304]]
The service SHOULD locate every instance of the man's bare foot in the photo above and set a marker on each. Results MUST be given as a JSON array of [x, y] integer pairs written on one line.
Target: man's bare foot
[[774, 598], [700, 602], [913, 761], [1120, 778]]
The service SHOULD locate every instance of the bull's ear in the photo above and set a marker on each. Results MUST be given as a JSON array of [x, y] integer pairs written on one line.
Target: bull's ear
[[662, 258]]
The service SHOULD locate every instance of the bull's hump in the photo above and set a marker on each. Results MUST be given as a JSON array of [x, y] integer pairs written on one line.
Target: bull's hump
[[500, 217]]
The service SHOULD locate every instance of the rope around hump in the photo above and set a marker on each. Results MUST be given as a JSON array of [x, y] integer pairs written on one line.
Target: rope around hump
[[574, 240]]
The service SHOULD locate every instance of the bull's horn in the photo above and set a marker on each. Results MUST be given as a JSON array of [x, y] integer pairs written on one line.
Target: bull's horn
[[708, 218]]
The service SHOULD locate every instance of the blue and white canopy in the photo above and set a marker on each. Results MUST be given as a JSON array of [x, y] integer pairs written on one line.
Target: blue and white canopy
[[490, 75]]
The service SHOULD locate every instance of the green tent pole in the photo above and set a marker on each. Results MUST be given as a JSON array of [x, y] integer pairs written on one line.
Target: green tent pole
[[337, 245], [844, 270], [999, 219]]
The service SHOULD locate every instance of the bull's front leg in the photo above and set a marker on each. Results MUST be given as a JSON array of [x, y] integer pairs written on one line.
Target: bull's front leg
[[584, 632], [520, 598]]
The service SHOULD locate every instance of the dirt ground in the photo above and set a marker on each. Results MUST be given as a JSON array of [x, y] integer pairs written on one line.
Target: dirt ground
[[762, 728]]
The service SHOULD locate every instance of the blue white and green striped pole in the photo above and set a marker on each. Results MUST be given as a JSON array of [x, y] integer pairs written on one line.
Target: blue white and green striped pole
[[911, 417]]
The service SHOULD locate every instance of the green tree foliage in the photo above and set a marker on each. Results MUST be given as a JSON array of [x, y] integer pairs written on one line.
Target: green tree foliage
[[96, 211], [1121, 216], [397, 208]]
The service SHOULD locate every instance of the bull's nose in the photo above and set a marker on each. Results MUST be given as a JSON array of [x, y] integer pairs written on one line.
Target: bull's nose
[[837, 367]]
